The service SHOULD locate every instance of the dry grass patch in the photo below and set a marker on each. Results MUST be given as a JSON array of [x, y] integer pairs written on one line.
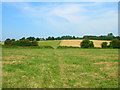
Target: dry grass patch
[[8, 58], [18, 57], [6, 62], [107, 63]]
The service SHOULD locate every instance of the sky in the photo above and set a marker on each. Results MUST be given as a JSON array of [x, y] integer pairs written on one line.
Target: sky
[[43, 19]]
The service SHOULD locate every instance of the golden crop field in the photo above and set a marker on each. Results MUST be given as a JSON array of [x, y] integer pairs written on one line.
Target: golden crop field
[[76, 43]]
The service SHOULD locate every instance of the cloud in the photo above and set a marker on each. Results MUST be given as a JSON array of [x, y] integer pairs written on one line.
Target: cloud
[[66, 17]]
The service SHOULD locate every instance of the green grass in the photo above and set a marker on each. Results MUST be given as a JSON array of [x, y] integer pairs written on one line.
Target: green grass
[[59, 68], [49, 43]]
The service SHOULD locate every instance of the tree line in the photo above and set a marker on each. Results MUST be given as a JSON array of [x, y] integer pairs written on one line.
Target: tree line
[[86, 43], [110, 36], [21, 42]]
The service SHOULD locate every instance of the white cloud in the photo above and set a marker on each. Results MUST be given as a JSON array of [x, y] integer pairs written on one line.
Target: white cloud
[[77, 15]]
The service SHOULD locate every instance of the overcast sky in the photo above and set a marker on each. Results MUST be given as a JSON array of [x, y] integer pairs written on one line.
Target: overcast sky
[[43, 19]]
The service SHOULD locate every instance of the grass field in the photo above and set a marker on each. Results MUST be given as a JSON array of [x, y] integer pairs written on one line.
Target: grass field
[[76, 43], [59, 68], [49, 43]]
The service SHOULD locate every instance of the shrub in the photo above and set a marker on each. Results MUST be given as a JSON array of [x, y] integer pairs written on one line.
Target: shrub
[[9, 42], [31, 38], [115, 43], [91, 45], [34, 43], [24, 42], [13, 39], [104, 45], [86, 44]]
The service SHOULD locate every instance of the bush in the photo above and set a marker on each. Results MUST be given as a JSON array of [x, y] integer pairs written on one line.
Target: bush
[[34, 43], [104, 45], [9, 42], [87, 44], [115, 43], [91, 45], [24, 42]]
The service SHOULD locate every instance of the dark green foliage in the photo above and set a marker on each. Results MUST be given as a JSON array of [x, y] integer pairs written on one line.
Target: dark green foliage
[[13, 39], [58, 38], [50, 38], [61, 38], [7, 39], [91, 45], [110, 36], [9, 42], [31, 38], [74, 37], [34, 43], [24, 42], [104, 45], [116, 43], [37, 39], [23, 38], [85, 43]]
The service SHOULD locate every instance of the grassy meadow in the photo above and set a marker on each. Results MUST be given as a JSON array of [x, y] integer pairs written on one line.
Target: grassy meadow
[[59, 68], [49, 43]]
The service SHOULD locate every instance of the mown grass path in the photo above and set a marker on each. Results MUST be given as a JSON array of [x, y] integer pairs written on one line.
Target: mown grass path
[[59, 68]]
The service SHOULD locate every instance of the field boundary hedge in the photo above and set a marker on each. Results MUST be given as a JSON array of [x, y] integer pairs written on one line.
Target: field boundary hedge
[[38, 47]]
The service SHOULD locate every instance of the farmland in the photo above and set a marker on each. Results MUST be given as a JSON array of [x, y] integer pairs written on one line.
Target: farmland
[[59, 68], [73, 43], [76, 43], [49, 43]]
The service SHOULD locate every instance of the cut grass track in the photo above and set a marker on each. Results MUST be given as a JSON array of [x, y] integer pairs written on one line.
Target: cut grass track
[[49, 43], [59, 68]]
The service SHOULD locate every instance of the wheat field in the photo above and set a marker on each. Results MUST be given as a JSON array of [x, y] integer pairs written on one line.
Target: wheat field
[[76, 43]]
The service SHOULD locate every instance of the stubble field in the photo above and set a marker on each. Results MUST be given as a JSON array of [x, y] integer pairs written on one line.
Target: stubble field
[[76, 43]]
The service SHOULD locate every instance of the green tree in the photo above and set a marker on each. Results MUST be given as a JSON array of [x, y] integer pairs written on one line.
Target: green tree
[[115, 43], [37, 39], [110, 34], [8, 42], [73, 37], [31, 38], [23, 38], [104, 45], [91, 45], [13, 39], [85, 43]]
